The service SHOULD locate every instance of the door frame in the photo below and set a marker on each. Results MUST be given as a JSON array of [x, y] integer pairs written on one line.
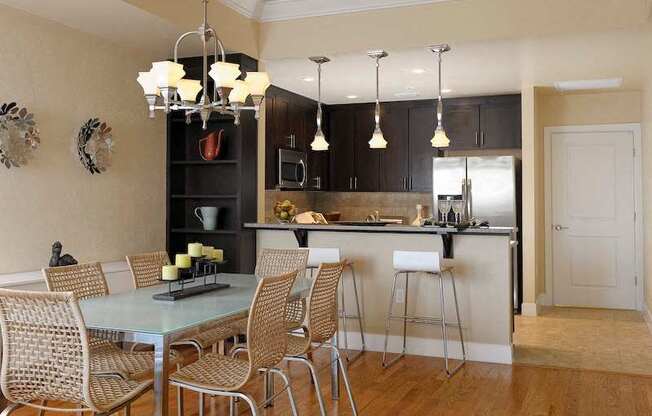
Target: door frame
[[635, 129]]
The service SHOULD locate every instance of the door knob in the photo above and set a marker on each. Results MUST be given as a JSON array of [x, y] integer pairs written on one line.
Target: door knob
[[559, 228]]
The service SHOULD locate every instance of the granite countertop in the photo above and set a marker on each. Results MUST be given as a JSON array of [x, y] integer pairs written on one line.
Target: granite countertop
[[407, 229]]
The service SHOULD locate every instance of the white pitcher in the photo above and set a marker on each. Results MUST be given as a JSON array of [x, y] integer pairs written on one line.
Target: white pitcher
[[208, 217]]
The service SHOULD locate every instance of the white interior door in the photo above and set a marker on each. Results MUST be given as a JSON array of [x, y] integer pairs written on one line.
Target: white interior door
[[593, 219]]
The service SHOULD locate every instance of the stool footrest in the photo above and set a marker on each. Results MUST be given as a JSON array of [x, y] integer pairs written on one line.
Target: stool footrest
[[426, 320]]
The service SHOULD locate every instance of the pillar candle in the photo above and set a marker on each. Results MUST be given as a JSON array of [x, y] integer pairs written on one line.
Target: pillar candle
[[207, 251], [169, 273], [194, 249], [218, 254], [182, 261]]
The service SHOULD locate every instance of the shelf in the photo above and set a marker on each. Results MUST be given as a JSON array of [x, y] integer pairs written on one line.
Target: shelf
[[202, 231], [204, 162], [196, 196]]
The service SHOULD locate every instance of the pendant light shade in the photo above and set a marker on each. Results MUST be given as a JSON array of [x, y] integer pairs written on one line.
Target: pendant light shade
[[257, 82], [377, 139], [319, 143], [440, 139]]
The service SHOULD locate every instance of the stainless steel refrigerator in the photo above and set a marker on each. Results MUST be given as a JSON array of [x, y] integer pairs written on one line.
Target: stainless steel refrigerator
[[490, 186]]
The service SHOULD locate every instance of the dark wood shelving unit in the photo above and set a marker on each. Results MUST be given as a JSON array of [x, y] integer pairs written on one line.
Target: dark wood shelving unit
[[228, 183]]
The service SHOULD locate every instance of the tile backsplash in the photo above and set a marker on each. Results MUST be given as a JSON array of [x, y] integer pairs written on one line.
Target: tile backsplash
[[354, 206]]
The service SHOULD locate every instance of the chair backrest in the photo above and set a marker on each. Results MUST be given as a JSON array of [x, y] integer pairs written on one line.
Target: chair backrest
[[266, 328], [322, 310], [84, 280], [277, 261], [45, 352], [319, 255], [146, 268], [417, 261]]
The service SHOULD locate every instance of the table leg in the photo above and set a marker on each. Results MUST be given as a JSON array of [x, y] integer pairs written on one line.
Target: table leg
[[335, 371], [161, 367]]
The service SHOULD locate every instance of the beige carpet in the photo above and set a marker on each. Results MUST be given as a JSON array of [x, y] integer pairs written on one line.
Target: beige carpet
[[596, 339]]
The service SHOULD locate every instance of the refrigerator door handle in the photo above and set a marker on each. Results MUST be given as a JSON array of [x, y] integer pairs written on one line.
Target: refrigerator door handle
[[469, 199]]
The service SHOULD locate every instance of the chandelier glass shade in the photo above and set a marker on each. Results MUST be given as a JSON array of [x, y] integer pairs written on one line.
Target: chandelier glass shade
[[165, 87]]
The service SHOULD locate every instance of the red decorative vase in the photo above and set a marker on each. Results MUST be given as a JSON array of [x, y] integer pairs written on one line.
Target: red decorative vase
[[211, 145]]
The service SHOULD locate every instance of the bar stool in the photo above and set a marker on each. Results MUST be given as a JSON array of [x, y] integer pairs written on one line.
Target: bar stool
[[317, 256], [428, 264]]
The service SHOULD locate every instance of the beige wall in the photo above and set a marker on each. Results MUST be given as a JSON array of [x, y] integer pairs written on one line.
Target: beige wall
[[66, 77], [553, 109]]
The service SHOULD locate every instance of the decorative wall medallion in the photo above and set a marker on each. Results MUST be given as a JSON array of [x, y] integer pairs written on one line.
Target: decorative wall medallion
[[19, 136], [94, 145]]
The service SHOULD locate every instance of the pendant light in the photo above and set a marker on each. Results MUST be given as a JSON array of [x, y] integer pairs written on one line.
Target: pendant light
[[319, 143], [440, 139], [377, 140]]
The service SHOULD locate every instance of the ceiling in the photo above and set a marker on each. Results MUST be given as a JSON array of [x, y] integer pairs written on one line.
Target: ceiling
[[276, 10], [469, 69]]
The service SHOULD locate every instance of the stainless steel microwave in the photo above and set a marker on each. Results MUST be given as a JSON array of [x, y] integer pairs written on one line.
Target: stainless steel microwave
[[292, 169]]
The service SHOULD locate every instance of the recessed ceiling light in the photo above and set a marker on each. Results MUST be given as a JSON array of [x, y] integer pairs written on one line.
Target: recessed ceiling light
[[351, 97], [308, 79], [406, 94], [588, 84], [418, 71], [446, 90]]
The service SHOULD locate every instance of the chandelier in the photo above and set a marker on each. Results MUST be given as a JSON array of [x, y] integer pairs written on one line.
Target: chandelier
[[377, 140], [319, 143], [166, 89]]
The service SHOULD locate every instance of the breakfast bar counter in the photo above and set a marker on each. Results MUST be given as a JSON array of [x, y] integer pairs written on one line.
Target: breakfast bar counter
[[482, 260]]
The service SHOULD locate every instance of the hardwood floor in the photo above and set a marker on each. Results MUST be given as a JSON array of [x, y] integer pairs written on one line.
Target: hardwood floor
[[418, 386]]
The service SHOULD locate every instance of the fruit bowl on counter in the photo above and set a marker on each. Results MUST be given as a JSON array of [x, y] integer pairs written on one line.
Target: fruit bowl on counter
[[285, 211]]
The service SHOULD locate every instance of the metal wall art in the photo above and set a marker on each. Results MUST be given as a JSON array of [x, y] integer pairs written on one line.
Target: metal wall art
[[19, 136], [94, 146]]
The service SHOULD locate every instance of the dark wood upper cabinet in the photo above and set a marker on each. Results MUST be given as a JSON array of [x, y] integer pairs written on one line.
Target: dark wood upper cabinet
[[462, 125], [500, 124], [394, 173], [367, 161], [341, 136], [422, 128]]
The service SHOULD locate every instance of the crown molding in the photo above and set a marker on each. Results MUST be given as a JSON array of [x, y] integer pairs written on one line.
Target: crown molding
[[278, 10]]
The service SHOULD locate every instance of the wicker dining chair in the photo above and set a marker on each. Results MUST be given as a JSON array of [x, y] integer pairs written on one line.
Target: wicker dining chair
[[220, 375], [322, 320], [146, 268], [46, 357], [275, 261], [87, 281]]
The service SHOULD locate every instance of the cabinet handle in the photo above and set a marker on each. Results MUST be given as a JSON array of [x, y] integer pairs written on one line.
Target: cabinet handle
[[350, 182], [405, 183], [411, 185], [355, 183], [477, 143], [482, 138]]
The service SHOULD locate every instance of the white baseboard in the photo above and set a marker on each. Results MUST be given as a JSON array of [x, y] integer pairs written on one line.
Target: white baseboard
[[116, 272], [529, 309], [430, 347], [647, 315]]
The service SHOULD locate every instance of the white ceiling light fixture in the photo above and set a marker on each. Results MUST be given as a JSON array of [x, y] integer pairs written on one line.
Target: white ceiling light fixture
[[319, 143], [377, 139], [351, 97], [588, 84], [440, 139], [165, 80], [418, 71], [308, 79]]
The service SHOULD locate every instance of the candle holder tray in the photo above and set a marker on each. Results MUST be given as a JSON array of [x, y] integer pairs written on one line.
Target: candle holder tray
[[202, 271]]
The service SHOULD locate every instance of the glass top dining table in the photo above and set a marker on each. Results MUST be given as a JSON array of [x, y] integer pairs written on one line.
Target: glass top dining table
[[140, 318]]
